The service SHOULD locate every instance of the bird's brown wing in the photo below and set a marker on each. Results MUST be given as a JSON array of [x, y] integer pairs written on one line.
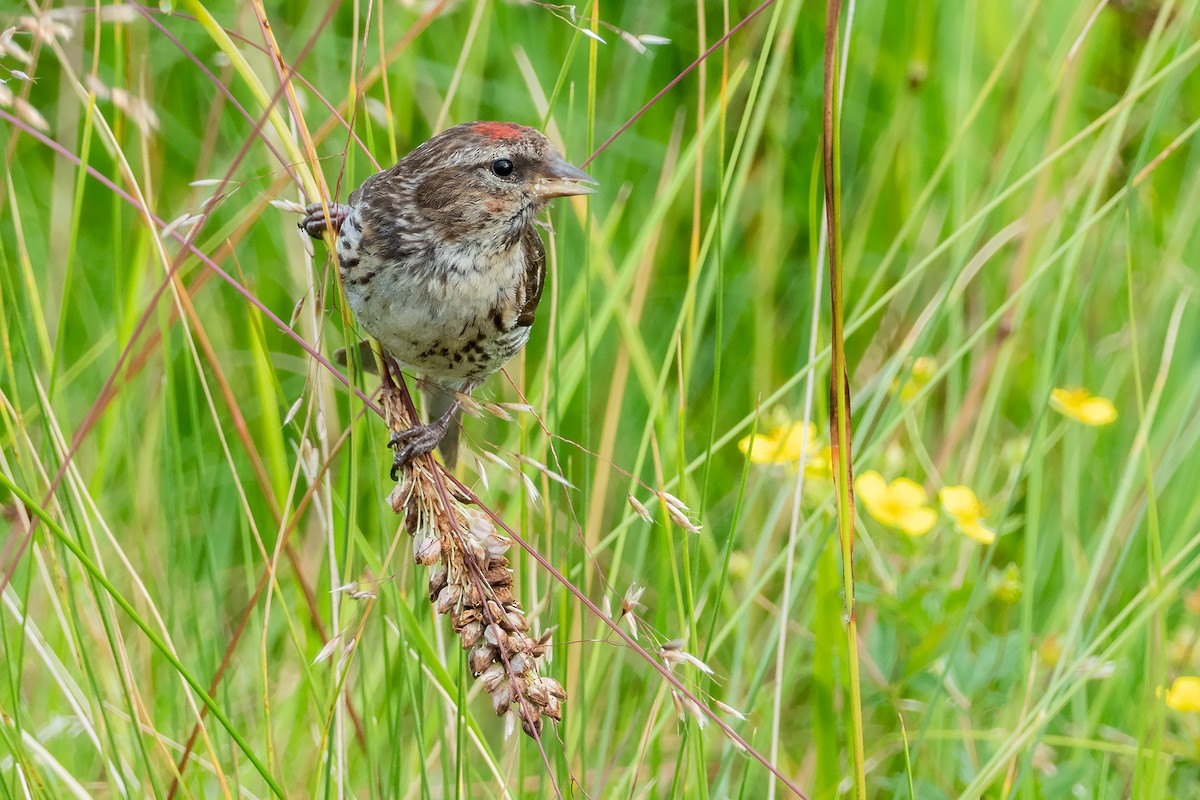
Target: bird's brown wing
[[535, 274]]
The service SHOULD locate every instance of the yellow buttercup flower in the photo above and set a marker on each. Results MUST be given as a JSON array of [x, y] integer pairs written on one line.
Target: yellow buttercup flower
[[967, 512], [1050, 650], [923, 370], [782, 445], [1005, 585], [1083, 406], [819, 467], [900, 504], [1184, 694]]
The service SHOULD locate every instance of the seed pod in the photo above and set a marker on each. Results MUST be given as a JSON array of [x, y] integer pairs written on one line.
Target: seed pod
[[553, 709], [502, 698], [519, 663], [496, 545], [480, 658], [498, 576], [516, 621], [467, 616], [537, 693], [470, 634], [427, 550], [474, 550], [481, 528], [491, 677], [449, 597], [532, 728], [437, 581], [553, 687], [495, 612]]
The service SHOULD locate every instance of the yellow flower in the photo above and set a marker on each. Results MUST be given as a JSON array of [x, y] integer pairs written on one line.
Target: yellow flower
[[1192, 601], [1083, 406], [739, 564], [782, 445], [1005, 585], [900, 504], [820, 466], [1050, 650], [923, 370], [967, 512], [1184, 694]]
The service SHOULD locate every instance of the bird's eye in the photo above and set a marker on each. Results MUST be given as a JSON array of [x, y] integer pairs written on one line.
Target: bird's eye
[[502, 168]]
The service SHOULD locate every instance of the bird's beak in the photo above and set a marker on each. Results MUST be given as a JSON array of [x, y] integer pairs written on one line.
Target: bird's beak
[[562, 180]]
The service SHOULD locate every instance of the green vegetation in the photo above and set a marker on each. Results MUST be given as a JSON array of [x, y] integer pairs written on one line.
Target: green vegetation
[[199, 555]]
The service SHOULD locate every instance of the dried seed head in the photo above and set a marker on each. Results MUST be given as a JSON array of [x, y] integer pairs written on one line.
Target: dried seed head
[[502, 697], [328, 649], [673, 654], [448, 598], [481, 657], [427, 549], [474, 550], [533, 728], [553, 709], [535, 497], [682, 521], [640, 509], [473, 595], [46, 28], [497, 411], [519, 663], [466, 617], [496, 546], [398, 500], [437, 581], [554, 688], [28, 114], [537, 693], [495, 612], [472, 583], [499, 576], [480, 527], [491, 677], [730, 710], [470, 633]]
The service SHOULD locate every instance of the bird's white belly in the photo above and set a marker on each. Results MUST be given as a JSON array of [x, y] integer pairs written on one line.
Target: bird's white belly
[[453, 330]]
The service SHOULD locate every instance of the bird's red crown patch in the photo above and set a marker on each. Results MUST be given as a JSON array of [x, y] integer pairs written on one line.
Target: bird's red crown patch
[[498, 130]]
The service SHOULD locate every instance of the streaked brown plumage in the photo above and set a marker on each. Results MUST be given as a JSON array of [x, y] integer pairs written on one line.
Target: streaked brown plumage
[[441, 259]]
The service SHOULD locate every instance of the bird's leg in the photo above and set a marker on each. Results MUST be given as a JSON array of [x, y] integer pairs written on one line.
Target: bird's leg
[[315, 223], [419, 439]]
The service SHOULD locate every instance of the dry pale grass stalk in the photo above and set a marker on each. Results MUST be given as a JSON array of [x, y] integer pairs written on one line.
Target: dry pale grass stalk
[[471, 582]]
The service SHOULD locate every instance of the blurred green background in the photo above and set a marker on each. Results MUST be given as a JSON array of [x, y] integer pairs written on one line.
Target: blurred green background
[[1019, 212]]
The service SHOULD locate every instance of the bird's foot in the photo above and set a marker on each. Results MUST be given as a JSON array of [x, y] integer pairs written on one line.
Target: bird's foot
[[416, 441], [315, 223]]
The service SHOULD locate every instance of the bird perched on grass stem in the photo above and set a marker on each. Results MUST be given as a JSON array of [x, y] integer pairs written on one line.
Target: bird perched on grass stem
[[441, 259]]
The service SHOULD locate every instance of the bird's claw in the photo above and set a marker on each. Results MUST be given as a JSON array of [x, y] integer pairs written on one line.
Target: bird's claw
[[414, 442], [315, 223]]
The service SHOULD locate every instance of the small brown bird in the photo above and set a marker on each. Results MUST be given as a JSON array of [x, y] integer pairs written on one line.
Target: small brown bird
[[441, 258]]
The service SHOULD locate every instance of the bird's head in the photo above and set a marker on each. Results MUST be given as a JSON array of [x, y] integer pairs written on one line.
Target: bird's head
[[488, 177]]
